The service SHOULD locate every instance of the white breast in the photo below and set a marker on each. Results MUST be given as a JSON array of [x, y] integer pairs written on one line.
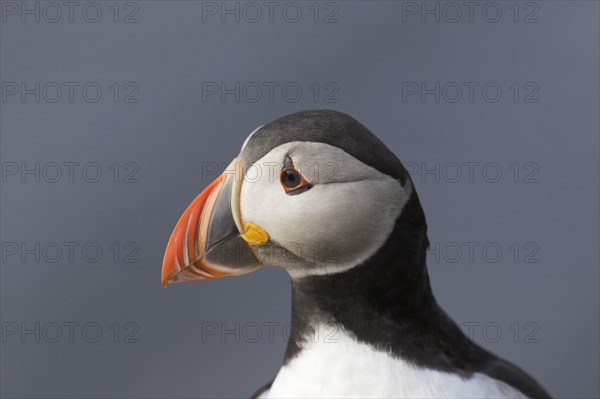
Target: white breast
[[348, 368]]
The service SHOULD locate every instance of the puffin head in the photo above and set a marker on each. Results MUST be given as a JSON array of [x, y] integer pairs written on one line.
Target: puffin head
[[314, 192]]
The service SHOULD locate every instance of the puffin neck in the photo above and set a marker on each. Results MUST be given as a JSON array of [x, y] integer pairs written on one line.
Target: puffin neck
[[387, 303], [374, 300]]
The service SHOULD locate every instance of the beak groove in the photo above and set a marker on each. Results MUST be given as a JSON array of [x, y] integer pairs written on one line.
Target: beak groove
[[184, 241], [207, 242]]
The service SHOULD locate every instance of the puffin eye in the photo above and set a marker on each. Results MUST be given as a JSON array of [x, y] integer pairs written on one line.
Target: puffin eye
[[292, 180]]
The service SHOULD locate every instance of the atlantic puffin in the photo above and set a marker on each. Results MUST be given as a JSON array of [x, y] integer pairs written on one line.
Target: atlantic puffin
[[318, 194]]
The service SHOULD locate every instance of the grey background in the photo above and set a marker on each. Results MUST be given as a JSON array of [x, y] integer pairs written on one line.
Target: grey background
[[170, 132]]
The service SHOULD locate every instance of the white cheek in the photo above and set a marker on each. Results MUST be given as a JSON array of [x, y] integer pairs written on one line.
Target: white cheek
[[335, 225], [348, 221]]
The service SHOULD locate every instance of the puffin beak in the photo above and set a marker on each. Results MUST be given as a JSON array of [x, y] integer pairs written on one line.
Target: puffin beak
[[210, 241]]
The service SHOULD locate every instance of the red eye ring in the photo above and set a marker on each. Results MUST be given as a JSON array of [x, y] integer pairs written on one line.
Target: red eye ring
[[292, 180]]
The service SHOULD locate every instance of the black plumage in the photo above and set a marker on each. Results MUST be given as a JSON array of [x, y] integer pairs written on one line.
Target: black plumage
[[387, 301]]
